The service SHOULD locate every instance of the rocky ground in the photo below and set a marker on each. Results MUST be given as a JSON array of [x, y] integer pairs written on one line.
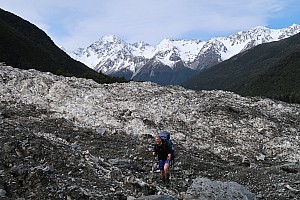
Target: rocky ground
[[64, 138]]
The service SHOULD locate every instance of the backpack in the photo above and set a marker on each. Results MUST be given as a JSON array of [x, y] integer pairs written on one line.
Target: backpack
[[165, 137]]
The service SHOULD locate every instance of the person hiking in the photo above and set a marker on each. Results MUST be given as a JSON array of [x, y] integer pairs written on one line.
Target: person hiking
[[163, 153]]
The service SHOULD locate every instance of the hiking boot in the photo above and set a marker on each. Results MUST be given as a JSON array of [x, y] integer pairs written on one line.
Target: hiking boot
[[168, 178], [162, 178]]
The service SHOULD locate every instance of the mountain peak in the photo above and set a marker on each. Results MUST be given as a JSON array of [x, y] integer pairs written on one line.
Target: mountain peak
[[140, 44], [293, 27], [260, 28], [166, 43], [110, 38]]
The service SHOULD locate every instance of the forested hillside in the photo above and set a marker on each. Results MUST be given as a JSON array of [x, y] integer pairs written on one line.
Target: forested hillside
[[270, 70], [25, 46]]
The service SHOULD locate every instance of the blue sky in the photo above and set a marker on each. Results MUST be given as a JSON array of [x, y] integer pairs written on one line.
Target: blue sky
[[78, 23]]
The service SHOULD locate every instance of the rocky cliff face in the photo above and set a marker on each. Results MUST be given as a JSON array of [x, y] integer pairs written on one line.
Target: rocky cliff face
[[68, 138]]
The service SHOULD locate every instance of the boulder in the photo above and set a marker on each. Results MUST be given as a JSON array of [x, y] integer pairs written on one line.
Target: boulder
[[206, 189]]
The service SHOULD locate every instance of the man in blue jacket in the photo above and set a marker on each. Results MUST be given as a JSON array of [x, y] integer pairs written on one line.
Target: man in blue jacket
[[163, 153]]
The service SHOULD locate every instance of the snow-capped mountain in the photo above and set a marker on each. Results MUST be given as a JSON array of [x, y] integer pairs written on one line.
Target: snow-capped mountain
[[172, 61]]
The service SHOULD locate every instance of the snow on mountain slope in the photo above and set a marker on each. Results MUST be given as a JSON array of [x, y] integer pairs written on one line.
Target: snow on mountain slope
[[244, 40], [111, 55], [186, 50]]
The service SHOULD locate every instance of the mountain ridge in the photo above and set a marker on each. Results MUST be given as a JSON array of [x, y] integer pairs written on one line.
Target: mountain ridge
[[111, 55]]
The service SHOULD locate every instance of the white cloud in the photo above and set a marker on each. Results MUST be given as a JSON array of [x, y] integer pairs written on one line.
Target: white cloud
[[75, 23]]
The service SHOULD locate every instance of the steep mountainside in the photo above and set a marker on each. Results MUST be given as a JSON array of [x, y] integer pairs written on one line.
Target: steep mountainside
[[141, 61], [270, 70], [25, 46], [70, 138], [281, 81], [163, 74]]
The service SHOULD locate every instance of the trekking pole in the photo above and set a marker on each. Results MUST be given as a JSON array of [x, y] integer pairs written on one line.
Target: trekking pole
[[170, 169], [152, 170]]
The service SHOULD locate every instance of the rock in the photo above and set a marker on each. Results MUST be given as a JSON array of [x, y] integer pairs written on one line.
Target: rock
[[116, 174], [292, 189], [205, 189], [123, 163], [291, 167], [2, 193], [245, 162], [260, 157], [139, 185], [101, 130], [157, 197]]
